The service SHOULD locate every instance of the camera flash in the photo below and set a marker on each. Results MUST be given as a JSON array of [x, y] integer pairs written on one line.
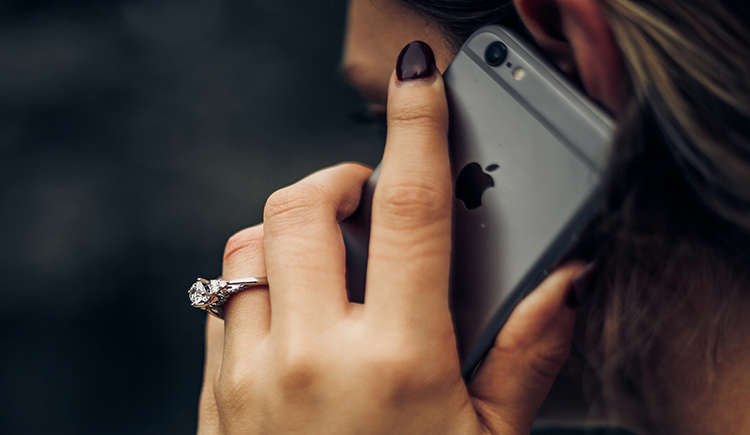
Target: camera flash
[[519, 74]]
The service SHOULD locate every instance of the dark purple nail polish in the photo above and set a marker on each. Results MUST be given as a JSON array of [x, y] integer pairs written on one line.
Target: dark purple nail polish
[[416, 61], [580, 285], [571, 300]]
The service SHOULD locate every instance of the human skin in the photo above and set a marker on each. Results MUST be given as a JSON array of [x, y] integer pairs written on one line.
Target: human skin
[[301, 359], [574, 34], [370, 52], [577, 40]]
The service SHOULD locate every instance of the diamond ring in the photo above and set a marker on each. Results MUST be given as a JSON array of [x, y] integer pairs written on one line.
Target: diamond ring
[[210, 295]]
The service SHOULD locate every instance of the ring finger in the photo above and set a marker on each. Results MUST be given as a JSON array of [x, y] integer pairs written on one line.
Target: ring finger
[[247, 314]]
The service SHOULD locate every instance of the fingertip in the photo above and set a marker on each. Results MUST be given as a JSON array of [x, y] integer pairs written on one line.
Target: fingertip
[[557, 290], [580, 284], [418, 107], [416, 92], [415, 68], [416, 63]]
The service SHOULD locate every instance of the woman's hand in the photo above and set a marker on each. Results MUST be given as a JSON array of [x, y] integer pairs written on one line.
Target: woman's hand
[[301, 359]]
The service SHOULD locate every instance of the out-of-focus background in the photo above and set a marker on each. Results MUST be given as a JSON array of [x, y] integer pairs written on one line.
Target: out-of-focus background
[[135, 137]]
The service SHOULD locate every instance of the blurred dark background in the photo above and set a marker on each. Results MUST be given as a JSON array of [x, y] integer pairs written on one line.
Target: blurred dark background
[[135, 137]]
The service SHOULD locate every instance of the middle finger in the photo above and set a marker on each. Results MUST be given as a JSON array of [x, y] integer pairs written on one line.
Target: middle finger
[[304, 248]]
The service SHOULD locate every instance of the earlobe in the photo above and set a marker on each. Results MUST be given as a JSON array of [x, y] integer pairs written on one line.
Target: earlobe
[[576, 36], [542, 19]]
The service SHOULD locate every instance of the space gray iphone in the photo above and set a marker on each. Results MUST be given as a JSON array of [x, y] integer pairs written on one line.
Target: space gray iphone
[[527, 152]]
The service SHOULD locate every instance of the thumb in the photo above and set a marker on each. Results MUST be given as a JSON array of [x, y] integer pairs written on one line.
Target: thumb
[[529, 351]]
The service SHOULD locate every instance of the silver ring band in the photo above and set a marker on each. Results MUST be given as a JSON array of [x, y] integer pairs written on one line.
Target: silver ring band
[[210, 295]]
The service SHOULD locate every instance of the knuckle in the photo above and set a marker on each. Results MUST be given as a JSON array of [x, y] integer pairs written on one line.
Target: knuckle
[[512, 343], [294, 203], [298, 377], [544, 358], [547, 361], [418, 201], [232, 386], [352, 166], [248, 241], [401, 367], [411, 114], [298, 369]]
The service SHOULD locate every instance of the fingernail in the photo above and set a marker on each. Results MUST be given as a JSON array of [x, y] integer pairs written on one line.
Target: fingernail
[[416, 61], [580, 285]]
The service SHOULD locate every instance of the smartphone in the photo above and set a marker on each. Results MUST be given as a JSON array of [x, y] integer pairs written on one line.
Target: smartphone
[[527, 152]]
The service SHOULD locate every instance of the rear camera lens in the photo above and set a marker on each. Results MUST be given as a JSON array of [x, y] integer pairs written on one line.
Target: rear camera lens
[[495, 53]]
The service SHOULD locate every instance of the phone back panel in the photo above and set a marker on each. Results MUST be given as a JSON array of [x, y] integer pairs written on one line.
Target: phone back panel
[[544, 145]]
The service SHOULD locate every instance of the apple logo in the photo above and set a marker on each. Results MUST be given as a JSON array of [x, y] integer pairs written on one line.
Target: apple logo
[[471, 183]]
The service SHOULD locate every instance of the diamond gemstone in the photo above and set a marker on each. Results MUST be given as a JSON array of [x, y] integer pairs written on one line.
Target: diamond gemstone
[[199, 294]]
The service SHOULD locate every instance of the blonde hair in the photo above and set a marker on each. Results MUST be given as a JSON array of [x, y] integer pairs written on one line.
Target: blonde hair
[[673, 237], [689, 66]]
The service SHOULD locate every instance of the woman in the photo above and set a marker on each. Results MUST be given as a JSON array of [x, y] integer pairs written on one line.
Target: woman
[[662, 301]]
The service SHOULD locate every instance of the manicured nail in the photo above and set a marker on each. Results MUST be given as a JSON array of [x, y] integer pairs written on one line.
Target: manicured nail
[[416, 61], [580, 285]]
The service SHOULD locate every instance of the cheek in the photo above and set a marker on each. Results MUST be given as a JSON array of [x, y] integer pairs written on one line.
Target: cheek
[[367, 69], [377, 30]]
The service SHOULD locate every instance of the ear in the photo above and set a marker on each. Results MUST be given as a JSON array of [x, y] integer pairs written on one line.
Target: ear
[[576, 36]]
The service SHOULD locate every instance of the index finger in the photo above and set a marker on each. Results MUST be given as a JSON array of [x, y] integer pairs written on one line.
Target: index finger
[[409, 256]]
